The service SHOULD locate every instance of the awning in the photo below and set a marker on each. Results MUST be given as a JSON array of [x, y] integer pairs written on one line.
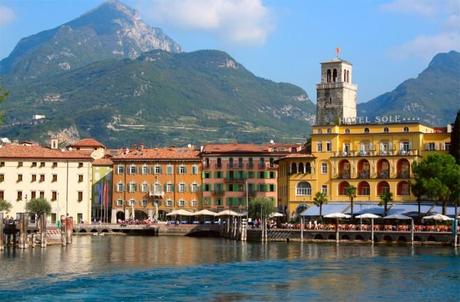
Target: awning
[[401, 208], [363, 208], [327, 209]]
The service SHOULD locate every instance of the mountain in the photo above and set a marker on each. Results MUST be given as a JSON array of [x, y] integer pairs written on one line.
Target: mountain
[[434, 96], [111, 30], [158, 98]]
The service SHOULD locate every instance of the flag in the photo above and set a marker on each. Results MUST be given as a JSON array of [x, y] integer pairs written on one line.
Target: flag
[[337, 51]]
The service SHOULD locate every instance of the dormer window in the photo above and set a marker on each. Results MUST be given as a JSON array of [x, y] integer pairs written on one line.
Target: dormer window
[[385, 130], [406, 129], [366, 130], [347, 131]]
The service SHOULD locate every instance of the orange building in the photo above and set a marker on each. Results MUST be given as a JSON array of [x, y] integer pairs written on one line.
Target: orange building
[[149, 183]]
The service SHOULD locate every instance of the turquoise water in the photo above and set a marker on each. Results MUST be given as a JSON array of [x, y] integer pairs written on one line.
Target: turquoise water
[[190, 269]]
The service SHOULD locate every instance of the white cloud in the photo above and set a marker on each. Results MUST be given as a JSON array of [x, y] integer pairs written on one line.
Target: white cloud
[[237, 21], [6, 15], [444, 12]]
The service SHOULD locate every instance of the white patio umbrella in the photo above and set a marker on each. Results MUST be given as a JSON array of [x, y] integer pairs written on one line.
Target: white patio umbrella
[[205, 213], [438, 217], [371, 217], [337, 215], [227, 213], [275, 214], [180, 213]]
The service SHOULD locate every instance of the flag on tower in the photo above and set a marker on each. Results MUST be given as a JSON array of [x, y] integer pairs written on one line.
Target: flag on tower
[[337, 51]]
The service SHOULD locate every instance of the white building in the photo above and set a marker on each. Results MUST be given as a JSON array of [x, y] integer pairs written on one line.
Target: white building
[[63, 177]]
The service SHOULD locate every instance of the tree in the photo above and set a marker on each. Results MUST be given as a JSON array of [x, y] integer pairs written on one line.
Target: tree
[[38, 206], [3, 96], [320, 199], [437, 177], [261, 207], [385, 198], [350, 191], [5, 206], [455, 139]]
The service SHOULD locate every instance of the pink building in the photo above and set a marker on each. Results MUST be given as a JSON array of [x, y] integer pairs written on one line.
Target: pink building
[[233, 174]]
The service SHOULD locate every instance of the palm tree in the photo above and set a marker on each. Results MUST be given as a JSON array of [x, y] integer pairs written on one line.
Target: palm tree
[[5, 206], [385, 198], [320, 199], [350, 191]]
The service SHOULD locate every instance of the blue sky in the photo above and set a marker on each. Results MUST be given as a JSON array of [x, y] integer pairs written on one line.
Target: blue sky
[[387, 41]]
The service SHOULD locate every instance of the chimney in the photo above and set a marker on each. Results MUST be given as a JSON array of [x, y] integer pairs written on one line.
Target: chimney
[[54, 144]]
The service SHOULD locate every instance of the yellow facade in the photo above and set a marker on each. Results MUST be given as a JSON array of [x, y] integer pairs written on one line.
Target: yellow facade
[[372, 157]]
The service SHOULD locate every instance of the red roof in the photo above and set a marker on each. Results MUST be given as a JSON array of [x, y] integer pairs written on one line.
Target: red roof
[[87, 143], [38, 152], [157, 154], [102, 162], [248, 148]]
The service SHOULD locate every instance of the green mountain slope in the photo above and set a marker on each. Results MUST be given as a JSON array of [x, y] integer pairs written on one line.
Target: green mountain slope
[[434, 96], [159, 98]]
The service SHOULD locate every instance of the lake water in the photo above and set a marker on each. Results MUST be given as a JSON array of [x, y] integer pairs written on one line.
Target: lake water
[[128, 268]]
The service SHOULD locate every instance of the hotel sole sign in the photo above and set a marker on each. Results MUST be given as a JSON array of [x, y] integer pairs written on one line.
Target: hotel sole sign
[[380, 119]]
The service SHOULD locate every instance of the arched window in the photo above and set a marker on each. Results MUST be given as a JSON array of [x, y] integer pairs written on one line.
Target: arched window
[[403, 188], [348, 76], [344, 169], [383, 168], [342, 187], [364, 188], [406, 129], [303, 189], [294, 168], [366, 130], [403, 167], [301, 170], [347, 131], [328, 76], [334, 75], [363, 169], [383, 187], [385, 130]]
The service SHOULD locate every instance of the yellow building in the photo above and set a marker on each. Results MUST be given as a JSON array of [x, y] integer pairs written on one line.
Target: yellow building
[[373, 155]]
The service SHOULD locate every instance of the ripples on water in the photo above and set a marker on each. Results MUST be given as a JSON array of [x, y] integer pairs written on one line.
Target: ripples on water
[[189, 269]]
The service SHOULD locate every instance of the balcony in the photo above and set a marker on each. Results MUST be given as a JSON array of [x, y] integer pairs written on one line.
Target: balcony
[[217, 192], [157, 194], [384, 174], [363, 174], [235, 166], [250, 165], [344, 175]]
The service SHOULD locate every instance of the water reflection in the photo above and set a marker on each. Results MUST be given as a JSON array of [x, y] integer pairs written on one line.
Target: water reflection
[[226, 270]]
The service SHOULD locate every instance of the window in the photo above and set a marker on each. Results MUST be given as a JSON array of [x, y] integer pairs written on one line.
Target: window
[[328, 146], [157, 169], [206, 188], [364, 188], [2, 177], [144, 202], [20, 164], [120, 187], [119, 202], [430, 147], [54, 178], [54, 165], [303, 189], [169, 170], [131, 202], [194, 203], [2, 195], [145, 170], [324, 189], [42, 194], [385, 130], [347, 131], [80, 165], [169, 203], [169, 187], [80, 196], [53, 195], [194, 187], [132, 169], [366, 130], [42, 164], [406, 129], [34, 177], [447, 146], [145, 187], [272, 188], [33, 195], [329, 130], [182, 169], [319, 147], [34, 164], [219, 162], [181, 203], [194, 169], [181, 187], [120, 169], [323, 168], [42, 177], [157, 188], [132, 187], [404, 147]]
